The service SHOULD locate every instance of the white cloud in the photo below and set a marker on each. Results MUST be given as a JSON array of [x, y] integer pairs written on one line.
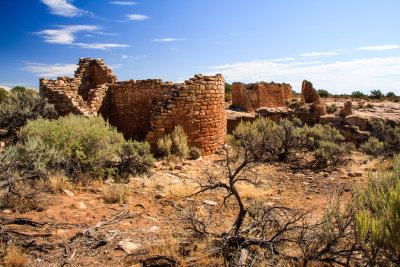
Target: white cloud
[[100, 46], [50, 70], [319, 54], [123, 3], [380, 47], [63, 8], [169, 39], [67, 35], [137, 17], [124, 56], [362, 74]]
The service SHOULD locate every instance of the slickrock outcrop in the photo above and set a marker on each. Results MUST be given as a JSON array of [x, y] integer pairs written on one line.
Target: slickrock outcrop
[[250, 97], [146, 109]]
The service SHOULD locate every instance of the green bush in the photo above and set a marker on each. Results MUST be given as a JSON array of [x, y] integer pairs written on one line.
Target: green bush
[[373, 146], [19, 107], [87, 145], [390, 95], [377, 94], [134, 158], [267, 139], [173, 144], [228, 92], [3, 94], [19, 89], [386, 136], [327, 143], [331, 109], [323, 93], [378, 218], [358, 94], [194, 152]]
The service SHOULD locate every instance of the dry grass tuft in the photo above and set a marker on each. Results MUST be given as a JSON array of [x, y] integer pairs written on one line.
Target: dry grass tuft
[[15, 257], [58, 183], [116, 193]]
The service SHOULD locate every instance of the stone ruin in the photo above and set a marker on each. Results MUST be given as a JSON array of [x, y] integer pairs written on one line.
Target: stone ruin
[[250, 97], [144, 109], [311, 106]]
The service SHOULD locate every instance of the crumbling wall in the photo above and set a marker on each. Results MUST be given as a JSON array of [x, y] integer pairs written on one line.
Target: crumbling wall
[[199, 107], [311, 107], [250, 97], [144, 110]]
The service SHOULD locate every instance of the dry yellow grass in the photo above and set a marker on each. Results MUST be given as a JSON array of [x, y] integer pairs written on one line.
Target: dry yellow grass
[[116, 193], [59, 183], [15, 257]]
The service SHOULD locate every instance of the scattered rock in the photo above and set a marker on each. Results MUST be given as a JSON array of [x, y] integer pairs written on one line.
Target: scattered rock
[[128, 246], [179, 167], [154, 229], [141, 205], [81, 205], [7, 211], [2, 144], [355, 174], [69, 193], [269, 204], [210, 202], [159, 196]]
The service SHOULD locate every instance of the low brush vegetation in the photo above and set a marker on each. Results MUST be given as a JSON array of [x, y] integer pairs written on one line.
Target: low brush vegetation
[[278, 141], [386, 139], [83, 149], [175, 145], [88, 147], [18, 107]]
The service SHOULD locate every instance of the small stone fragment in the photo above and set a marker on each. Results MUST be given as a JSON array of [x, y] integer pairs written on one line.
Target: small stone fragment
[[128, 247]]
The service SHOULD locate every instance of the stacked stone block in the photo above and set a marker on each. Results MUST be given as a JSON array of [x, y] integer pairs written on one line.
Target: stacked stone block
[[147, 109], [250, 97]]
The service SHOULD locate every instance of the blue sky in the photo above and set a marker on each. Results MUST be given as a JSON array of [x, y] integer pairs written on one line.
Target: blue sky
[[340, 46]]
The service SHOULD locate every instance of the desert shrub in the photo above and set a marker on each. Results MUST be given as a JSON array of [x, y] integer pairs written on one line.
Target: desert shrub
[[358, 94], [19, 107], [390, 95], [173, 144], [88, 145], [332, 108], [327, 143], [373, 146], [228, 92], [323, 93], [134, 158], [386, 140], [3, 94], [332, 153], [377, 94], [116, 193], [15, 257], [194, 152], [370, 106], [267, 139], [18, 89], [378, 218]]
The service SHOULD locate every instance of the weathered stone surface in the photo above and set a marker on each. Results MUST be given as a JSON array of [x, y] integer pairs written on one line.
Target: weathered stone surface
[[347, 109], [145, 109], [128, 246], [250, 97], [311, 107]]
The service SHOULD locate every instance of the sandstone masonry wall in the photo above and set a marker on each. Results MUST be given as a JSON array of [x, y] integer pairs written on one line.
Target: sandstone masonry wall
[[250, 97], [147, 109]]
